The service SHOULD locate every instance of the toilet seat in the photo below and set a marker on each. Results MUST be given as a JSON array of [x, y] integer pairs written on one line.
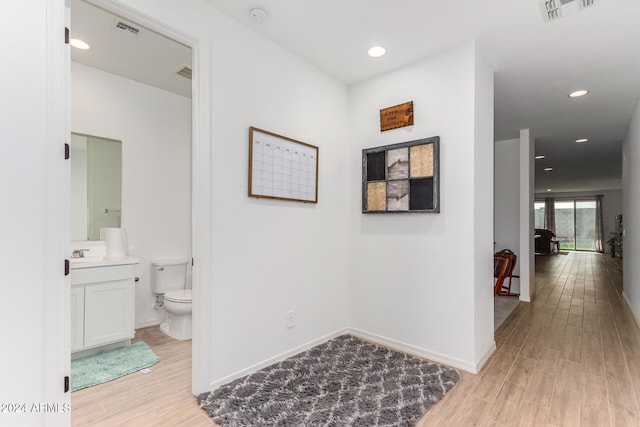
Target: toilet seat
[[179, 296]]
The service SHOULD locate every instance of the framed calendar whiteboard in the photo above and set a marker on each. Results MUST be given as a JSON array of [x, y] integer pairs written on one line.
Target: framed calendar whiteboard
[[282, 168]]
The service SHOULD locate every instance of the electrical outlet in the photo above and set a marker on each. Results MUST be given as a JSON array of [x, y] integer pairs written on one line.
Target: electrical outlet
[[291, 319]]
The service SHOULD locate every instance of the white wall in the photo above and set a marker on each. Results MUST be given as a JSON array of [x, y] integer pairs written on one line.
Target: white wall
[[630, 217], [506, 198], [527, 183], [424, 281], [268, 256], [155, 129], [483, 148]]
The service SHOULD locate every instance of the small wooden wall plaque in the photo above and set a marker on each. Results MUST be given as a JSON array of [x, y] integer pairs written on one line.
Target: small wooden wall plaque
[[396, 117]]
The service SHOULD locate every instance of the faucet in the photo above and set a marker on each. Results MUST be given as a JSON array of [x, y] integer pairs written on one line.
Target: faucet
[[79, 253]]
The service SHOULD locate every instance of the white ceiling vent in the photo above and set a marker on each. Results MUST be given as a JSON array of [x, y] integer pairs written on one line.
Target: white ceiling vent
[[184, 71], [556, 9], [128, 28]]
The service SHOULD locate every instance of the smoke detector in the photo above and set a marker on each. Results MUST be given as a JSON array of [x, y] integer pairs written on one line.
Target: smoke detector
[[258, 15], [556, 9]]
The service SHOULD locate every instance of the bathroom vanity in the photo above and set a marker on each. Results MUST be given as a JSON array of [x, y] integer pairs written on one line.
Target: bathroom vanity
[[102, 304]]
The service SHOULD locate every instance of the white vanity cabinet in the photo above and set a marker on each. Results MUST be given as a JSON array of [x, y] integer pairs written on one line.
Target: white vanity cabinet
[[77, 318], [102, 305]]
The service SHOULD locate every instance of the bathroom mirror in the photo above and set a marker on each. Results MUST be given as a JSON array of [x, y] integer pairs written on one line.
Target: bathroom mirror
[[96, 183]]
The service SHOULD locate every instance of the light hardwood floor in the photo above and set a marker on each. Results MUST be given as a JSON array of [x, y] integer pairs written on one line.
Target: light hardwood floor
[[160, 398], [570, 358]]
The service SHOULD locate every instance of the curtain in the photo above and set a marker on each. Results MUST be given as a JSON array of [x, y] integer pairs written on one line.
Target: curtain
[[599, 225], [550, 214]]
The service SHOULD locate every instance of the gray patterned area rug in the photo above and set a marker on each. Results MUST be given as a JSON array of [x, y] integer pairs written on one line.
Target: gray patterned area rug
[[343, 382]]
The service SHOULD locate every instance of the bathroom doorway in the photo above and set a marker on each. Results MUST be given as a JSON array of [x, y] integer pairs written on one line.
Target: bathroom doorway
[[118, 92]]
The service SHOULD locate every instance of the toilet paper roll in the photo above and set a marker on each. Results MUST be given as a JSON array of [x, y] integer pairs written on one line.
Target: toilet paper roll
[[117, 245]]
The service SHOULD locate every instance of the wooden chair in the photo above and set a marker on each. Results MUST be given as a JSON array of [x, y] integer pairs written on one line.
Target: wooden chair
[[504, 262]]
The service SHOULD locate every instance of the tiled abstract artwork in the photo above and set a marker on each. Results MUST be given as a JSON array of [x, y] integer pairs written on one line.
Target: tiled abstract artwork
[[401, 177]]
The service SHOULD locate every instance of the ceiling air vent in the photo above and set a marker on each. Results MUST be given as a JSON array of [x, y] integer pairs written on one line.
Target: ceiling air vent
[[126, 27], [184, 71], [556, 9]]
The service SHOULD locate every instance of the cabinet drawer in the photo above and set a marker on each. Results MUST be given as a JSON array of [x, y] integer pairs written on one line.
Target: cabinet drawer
[[84, 276]]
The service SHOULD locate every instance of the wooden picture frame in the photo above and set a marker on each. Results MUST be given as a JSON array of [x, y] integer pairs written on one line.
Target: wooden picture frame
[[282, 168], [402, 178]]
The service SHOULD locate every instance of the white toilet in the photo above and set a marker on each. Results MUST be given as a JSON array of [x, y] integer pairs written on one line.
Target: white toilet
[[169, 278]]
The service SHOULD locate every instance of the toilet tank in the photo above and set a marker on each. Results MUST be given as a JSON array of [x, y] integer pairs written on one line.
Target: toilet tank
[[168, 275]]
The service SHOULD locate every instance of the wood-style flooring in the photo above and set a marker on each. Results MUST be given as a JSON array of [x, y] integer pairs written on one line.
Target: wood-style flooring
[[570, 358], [160, 398]]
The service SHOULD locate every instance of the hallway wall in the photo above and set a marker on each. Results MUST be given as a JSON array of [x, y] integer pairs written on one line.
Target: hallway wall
[[506, 216], [631, 213], [410, 274]]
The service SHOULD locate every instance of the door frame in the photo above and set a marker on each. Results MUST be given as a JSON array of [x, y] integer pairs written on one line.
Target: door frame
[[201, 183]]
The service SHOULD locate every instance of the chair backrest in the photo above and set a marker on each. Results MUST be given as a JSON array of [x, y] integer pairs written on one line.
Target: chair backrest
[[504, 262], [501, 264], [513, 258]]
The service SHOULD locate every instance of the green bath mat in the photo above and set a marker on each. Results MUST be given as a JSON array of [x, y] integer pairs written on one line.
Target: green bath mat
[[110, 365]]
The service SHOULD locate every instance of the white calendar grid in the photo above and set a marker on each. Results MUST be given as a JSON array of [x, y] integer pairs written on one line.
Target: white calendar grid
[[282, 168]]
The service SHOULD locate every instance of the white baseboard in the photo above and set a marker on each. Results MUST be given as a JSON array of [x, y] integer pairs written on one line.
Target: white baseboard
[[633, 313], [473, 368], [253, 368], [485, 357], [147, 324]]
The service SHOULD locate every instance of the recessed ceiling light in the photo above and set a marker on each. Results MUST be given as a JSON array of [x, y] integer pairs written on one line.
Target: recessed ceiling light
[[541, 156], [377, 51], [548, 169], [79, 44], [548, 189], [578, 93], [582, 140]]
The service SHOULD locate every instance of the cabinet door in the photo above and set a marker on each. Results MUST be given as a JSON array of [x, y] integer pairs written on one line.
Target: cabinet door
[[77, 318], [108, 312]]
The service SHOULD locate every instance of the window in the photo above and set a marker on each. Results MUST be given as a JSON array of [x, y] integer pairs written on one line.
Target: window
[[538, 209], [585, 225], [576, 224], [565, 225]]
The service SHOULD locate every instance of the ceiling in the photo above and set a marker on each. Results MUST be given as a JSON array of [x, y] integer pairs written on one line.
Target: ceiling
[[536, 63], [122, 53]]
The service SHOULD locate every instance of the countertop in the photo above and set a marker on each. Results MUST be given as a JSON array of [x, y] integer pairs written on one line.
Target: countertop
[[94, 261]]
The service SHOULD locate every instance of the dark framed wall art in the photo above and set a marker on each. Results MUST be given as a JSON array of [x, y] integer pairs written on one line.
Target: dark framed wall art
[[401, 178]]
